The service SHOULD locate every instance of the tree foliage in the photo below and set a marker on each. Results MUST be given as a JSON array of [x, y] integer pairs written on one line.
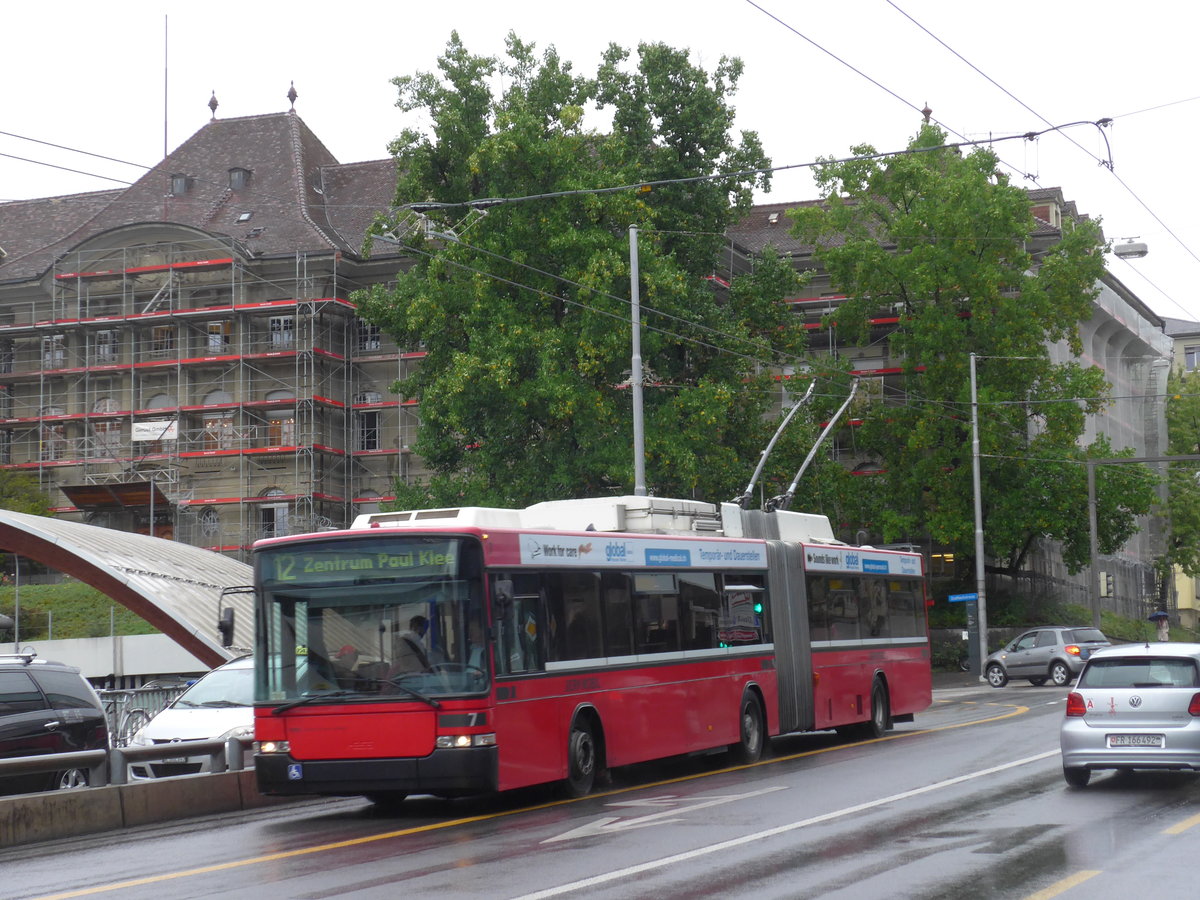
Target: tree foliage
[[944, 242], [523, 307], [1183, 478], [20, 493]]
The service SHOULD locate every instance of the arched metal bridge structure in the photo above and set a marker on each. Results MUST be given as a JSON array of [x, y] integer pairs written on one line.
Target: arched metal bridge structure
[[175, 587]]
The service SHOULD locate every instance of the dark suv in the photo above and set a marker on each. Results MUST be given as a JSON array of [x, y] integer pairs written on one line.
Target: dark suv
[[1052, 653], [46, 707]]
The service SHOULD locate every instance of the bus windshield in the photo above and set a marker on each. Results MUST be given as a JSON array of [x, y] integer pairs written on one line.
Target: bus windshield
[[380, 618]]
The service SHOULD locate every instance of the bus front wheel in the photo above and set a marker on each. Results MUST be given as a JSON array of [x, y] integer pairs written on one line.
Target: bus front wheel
[[581, 759]]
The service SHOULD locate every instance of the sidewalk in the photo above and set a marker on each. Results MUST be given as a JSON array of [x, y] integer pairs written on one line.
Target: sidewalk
[[955, 680]]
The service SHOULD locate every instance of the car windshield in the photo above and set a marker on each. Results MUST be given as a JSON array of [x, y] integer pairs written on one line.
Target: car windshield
[[220, 687], [1140, 672], [1085, 635]]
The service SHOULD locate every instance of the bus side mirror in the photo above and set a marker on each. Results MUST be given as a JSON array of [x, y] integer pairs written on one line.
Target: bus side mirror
[[225, 626]]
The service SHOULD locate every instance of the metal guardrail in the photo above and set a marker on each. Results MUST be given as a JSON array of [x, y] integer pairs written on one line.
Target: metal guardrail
[[112, 766], [129, 710]]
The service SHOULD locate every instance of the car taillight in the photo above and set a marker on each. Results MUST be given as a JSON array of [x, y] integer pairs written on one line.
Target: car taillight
[[1194, 706], [1076, 706], [1073, 649]]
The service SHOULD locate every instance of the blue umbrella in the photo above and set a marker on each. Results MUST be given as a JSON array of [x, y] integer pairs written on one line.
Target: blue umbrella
[[1157, 614]]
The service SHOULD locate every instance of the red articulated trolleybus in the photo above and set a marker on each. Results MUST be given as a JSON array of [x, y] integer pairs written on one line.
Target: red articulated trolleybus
[[459, 651]]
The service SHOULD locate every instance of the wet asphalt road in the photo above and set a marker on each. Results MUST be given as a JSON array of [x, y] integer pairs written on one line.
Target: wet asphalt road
[[967, 802]]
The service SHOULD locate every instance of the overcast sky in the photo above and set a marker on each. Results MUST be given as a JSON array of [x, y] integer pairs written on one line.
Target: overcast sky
[[820, 77]]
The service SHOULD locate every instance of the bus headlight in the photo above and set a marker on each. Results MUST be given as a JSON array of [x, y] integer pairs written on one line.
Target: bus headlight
[[456, 741], [274, 747]]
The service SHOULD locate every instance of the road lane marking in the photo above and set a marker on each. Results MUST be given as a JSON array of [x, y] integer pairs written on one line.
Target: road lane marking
[[437, 826], [675, 806], [1181, 827], [1065, 885], [631, 871]]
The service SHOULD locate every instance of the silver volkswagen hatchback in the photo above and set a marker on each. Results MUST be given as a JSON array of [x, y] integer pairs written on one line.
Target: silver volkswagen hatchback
[[1136, 706]]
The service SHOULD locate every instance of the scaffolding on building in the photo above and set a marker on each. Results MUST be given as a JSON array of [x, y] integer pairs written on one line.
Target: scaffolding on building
[[246, 391]]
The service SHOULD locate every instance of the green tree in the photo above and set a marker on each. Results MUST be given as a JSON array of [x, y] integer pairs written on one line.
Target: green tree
[[522, 306], [943, 241], [20, 493], [1183, 478]]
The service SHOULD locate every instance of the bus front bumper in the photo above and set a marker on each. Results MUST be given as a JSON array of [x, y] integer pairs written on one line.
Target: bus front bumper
[[447, 773]]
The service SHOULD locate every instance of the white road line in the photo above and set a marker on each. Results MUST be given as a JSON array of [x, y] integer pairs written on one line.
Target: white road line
[[771, 832]]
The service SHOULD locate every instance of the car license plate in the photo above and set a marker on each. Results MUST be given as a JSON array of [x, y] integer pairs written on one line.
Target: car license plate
[[175, 760], [1135, 740]]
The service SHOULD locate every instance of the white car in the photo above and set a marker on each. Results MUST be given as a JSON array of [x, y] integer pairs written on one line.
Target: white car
[[218, 706]]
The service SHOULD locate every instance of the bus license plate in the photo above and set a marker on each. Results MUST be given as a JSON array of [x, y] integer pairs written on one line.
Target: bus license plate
[[1135, 740]]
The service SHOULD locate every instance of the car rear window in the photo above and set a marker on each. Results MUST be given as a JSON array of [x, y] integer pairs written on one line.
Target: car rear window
[[1140, 672], [66, 690], [1083, 635], [18, 693]]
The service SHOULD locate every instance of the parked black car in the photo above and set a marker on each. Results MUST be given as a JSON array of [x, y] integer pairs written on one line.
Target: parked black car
[[46, 707]]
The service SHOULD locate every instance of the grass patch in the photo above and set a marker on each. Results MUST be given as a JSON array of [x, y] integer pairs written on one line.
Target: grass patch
[[70, 610]]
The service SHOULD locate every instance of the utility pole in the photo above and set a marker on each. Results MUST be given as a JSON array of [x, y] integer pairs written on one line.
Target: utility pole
[[635, 372], [980, 575]]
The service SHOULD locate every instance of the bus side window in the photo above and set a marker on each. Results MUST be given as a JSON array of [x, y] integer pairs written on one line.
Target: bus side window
[[573, 608], [818, 608], [618, 614], [700, 608], [517, 647]]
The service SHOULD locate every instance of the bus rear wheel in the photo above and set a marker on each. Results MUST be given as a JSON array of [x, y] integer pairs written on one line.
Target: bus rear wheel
[[752, 732], [581, 759]]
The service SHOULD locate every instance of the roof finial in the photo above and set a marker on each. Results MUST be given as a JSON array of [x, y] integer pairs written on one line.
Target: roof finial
[[212, 104], [292, 95], [927, 112]]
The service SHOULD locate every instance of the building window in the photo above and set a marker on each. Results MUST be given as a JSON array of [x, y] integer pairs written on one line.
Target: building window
[[364, 397], [218, 432], [273, 517], [238, 178], [281, 332], [369, 336], [368, 430], [162, 341], [108, 437], [106, 346], [5, 447], [53, 436], [281, 431], [210, 522], [54, 351], [1191, 357], [218, 335]]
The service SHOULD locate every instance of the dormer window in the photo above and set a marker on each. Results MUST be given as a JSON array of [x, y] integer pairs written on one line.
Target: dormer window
[[180, 184], [238, 178]]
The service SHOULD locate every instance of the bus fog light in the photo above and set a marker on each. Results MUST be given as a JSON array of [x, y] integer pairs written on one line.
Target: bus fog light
[[273, 747], [484, 740]]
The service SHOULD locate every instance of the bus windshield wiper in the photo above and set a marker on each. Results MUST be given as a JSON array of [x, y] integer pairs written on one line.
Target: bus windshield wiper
[[313, 698], [415, 694]]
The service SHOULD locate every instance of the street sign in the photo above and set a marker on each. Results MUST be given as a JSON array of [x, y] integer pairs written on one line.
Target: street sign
[[962, 598]]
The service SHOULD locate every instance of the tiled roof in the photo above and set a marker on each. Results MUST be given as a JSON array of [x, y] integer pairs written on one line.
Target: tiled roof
[[298, 197], [1180, 327]]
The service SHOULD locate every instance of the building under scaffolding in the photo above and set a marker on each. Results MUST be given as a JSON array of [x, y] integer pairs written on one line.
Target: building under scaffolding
[[205, 377]]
